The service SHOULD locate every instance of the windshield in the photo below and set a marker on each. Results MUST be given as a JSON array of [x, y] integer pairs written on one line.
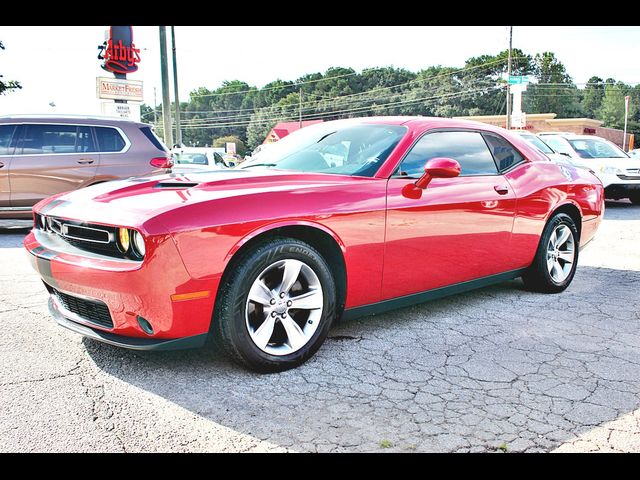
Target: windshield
[[342, 147], [193, 158], [536, 142], [594, 148]]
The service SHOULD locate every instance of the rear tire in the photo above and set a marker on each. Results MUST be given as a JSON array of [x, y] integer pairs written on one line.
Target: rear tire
[[554, 265], [281, 326]]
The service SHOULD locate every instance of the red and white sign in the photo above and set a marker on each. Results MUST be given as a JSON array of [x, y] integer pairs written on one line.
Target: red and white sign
[[118, 89]]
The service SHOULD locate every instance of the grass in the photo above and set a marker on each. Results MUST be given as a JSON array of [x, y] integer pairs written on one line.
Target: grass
[[385, 444], [503, 447]]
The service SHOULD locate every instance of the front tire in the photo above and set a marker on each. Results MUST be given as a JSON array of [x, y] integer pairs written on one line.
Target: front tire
[[554, 265], [276, 307]]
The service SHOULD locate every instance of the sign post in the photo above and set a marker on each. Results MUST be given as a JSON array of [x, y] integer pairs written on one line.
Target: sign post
[[518, 84], [120, 57], [626, 116]]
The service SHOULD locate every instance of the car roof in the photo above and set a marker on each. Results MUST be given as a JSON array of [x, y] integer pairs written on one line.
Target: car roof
[[67, 118]]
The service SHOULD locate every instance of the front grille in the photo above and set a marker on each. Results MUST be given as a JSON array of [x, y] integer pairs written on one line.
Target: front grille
[[93, 238], [93, 311]]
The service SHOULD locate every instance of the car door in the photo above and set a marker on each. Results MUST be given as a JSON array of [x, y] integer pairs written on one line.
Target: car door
[[459, 229], [49, 159], [7, 133]]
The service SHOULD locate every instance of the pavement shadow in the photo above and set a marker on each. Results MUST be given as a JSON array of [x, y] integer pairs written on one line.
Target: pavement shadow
[[620, 209], [12, 237], [469, 372]]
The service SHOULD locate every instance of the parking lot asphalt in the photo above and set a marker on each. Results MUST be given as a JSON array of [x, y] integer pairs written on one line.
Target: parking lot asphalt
[[498, 369]]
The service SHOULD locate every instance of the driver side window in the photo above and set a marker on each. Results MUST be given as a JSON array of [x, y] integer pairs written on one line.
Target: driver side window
[[467, 148]]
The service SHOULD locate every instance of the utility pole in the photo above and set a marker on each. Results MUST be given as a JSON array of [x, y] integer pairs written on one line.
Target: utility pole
[[508, 84], [175, 86], [300, 110], [155, 106], [626, 116], [166, 104]]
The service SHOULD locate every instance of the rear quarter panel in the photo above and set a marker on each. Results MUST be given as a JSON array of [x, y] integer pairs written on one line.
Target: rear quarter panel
[[541, 188]]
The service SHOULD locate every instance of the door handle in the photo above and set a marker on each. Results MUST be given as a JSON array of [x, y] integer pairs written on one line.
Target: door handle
[[84, 161], [501, 189]]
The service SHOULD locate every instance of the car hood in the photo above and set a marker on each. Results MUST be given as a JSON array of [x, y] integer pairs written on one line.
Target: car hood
[[134, 201]]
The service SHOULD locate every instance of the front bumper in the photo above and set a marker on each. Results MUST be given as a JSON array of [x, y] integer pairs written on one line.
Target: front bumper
[[132, 343], [129, 290], [621, 190]]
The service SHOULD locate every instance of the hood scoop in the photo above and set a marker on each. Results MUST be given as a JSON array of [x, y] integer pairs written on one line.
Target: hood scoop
[[174, 184]]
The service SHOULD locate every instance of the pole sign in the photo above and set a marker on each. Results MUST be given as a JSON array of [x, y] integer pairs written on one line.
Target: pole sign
[[122, 110], [118, 89], [518, 79], [119, 53]]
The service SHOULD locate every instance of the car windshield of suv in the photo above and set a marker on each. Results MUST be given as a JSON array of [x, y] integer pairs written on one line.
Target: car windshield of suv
[[344, 147], [536, 142], [192, 158], [593, 148]]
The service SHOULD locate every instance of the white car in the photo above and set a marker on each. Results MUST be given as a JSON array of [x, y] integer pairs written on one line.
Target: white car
[[618, 172], [635, 153], [198, 158], [539, 143]]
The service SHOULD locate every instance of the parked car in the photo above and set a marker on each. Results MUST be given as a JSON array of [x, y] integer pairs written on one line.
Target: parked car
[[43, 155], [265, 258], [197, 158], [619, 173], [540, 144]]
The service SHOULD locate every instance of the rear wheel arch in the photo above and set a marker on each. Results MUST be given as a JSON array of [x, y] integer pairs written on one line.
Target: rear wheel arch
[[326, 243], [573, 211]]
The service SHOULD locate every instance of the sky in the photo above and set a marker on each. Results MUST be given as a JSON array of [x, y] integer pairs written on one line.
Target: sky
[[59, 65]]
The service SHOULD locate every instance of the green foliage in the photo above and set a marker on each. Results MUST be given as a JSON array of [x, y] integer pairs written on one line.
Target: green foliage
[[592, 96], [6, 86], [557, 92], [385, 444], [611, 110], [477, 88], [241, 148]]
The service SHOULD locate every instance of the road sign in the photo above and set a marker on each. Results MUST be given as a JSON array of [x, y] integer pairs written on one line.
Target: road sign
[[122, 110], [518, 79], [119, 89], [519, 120]]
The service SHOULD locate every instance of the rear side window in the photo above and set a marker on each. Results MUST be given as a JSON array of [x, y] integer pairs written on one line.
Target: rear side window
[[109, 139], [153, 139], [467, 148], [6, 133], [49, 139], [503, 152]]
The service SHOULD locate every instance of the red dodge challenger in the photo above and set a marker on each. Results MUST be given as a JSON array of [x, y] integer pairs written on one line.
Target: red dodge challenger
[[337, 220]]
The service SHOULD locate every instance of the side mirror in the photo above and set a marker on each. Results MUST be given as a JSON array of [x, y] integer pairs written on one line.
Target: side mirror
[[438, 167]]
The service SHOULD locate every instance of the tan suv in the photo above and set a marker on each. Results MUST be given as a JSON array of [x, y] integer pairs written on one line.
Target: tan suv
[[44, 155]]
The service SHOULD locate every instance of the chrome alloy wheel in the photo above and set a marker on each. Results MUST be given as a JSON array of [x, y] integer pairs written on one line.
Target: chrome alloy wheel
[[284, 307], [561, 253]]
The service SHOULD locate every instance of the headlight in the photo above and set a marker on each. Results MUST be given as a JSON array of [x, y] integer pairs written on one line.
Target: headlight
[[138, 243], [611, 170], [123, 239]]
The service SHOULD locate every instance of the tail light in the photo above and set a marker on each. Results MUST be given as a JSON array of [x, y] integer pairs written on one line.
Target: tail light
[[162, 162]]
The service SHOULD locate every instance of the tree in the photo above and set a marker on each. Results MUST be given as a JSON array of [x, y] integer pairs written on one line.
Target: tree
[[612, 109], [592, 96], [555, 91], [8, 85], [241, 149]]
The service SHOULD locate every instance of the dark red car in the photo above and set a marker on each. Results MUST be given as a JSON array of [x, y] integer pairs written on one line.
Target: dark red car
[[339, 219]]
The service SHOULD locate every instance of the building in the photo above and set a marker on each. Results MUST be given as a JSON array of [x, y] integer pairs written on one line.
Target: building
[[282, 129], [547, 122]]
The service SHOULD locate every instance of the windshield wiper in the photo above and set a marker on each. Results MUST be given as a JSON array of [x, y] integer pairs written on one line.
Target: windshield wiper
[[260, 165]]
